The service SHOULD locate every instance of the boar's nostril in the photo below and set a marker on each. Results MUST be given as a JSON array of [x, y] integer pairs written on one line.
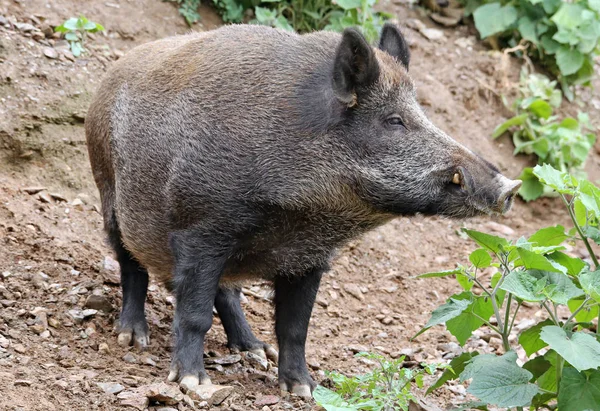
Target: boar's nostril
[[506, 199]]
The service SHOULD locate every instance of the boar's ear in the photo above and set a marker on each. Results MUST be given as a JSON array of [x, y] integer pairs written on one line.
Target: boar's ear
[[392, 42], [355, 66]]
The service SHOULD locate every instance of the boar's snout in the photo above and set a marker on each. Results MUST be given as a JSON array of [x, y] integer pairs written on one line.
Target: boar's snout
[[507, 194]]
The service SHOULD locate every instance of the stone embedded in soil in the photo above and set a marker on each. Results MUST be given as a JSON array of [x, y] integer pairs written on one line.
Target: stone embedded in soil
[[226, 360], [257, 361], [33, 190], [130, 358], [356, 348], [50, 53], [163, 393], [135, 399], [4, 342], [148, 361], [354, 291], [99, 302], [20, 348], [89, 313], [213, 394], [25, 27], [322, 302], [110, 387], [44, 198], [76, 315], [22, 383]]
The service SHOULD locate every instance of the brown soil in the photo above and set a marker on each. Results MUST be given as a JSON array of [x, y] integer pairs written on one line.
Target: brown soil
[[52, 254]]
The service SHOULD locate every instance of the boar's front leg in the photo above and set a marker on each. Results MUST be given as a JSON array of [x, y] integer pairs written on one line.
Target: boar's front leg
[[239, 334], [294, 300], [197, 271]]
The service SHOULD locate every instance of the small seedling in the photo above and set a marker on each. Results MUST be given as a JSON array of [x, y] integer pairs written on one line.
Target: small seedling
[[76, 30]]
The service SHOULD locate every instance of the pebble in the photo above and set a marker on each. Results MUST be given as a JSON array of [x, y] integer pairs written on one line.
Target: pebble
[[315, 365], [226, 360], [76, 315], [25, 27], [50, 53], [90, 312], [133, 399], [99, 302], [162, 392], [130, 358], [4, 342], [356, 348], [213, 394], [148, 361], [44, 198], [22, 383], [257, 361], [499, 228], [33, 190], [387, 320], [110, 387], [354, 291], [20, 348]]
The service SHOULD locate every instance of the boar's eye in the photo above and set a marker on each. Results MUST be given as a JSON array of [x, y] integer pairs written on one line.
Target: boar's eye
[[395, 121]]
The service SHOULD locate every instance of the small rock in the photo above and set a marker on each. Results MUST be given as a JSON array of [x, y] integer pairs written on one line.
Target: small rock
[[3, 20], [25, 27], [110, 387], [213, 394], [50, 53], [77, 203], [315, 365], [58, 197], [135, 399], [4, 342], [130, 358], [53, 322], [33, 190], [99, 302], [257, 361], [22, 383], [226, 360], [20, 348], [267, 400], [433, 34], [450, 347], [387, 320], [499, 228], [62, 384], [44, 198], [147, 360], [79, 116], [322, 302], [163, 393], [356, 348], [89, 313], [354, 290]]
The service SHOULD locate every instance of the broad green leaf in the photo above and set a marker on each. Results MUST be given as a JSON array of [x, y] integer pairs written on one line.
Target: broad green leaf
[[572, 264], [589, 195], [549, 45], [586, 314], [465, 282], [594, 5], [580, 349], [70, 24], [533, 261], [453, 308], [499, 380], [537, 285], [568, 16], [348, 4], [71, 36], [590, 282], [494, 18], [530, 338], [537, 367], [489, 242], [480, 258], [470, 406], [457, 366], [531, 188], [541, 108], [444, 273], [330, 400], [553, 178], [515, 121], [579, 391], [463, 325], [549, 236], [527, 29], [592, 233], [569, 60], [76, 48]]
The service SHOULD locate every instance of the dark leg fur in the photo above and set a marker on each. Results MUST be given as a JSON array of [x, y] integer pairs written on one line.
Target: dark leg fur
[[133, 328], [294, 300], [239, 334]]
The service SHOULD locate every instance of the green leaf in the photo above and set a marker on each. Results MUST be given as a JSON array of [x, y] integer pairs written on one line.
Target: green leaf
[[71, 36], [348, 4], [463, 325], [499, 380], [579, 391], [586, 314], [568, 16], [444, 273], [76, 48], [541, 108], [549, 236], [480, 258], [590, 282], [457, 366], [465, 282], [489, 242], [553, 178], [531, 188], [453, 308], [527, 29], [493, 18], [537, 285], [515, 121], [70, 24], [330, 400], [572, 264], [580, 349], [569, 60], [537, 366], [530, 338], [533, 261], [592, 233]]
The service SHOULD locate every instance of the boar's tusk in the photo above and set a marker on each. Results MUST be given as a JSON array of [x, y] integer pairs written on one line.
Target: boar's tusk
[[456, 179]]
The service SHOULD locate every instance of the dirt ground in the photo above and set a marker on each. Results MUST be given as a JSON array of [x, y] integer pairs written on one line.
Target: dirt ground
[[54, 264]]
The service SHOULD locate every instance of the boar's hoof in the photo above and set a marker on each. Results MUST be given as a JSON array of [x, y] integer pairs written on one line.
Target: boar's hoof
[[140, 340], [301, 390]]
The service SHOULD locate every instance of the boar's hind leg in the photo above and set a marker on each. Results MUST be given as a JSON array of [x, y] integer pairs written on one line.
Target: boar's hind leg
[[239, 334], [133, 328], [197, 271], [294, 300]]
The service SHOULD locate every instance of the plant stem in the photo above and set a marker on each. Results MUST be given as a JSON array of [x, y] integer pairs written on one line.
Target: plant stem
[[514, 318], [559, 369], [551, 314], [581, 307], [583, 237], [488, 324]]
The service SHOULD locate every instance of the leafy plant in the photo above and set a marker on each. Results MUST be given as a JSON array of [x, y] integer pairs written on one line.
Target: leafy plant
[[562, 35], [562, 372], [300, 15], [564, 144], [76, 30], [387, 387]]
